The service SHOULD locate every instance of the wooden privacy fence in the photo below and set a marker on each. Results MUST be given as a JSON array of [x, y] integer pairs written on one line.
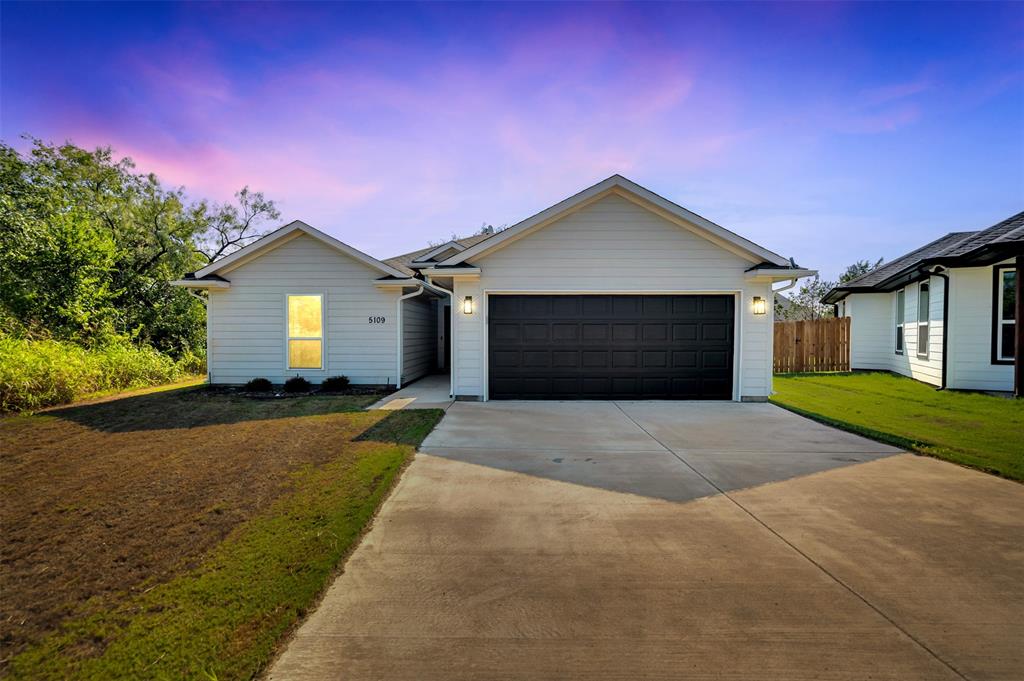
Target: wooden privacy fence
[[812, 345]]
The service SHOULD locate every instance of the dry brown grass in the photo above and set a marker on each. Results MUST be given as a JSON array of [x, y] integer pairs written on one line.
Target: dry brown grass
[[104, 500]]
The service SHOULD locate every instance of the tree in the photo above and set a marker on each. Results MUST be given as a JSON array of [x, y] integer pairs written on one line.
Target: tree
[[806, 302], [807, 299], [229, 227], [485, 228], [88, 247], [858, 268]]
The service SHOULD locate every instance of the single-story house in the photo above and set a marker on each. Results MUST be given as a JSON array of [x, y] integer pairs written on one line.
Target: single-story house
[[945, 314], [613, 292]]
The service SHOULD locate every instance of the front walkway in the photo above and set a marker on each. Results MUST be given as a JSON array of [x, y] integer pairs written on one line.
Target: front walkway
[[603, 540], [429, 392]]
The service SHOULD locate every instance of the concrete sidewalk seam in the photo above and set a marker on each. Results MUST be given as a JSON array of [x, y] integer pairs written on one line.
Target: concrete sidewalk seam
[[813, 562]]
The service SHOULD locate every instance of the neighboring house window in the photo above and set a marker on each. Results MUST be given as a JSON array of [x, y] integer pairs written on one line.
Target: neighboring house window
[[923, 313], [305, 332], [899, 321], [1005, 317]]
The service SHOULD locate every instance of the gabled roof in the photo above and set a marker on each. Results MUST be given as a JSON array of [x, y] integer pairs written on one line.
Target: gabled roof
[[995, 243], [1010, 230], [910, 260], [624, 187], [284, 234], [435, 253], [423, 255]]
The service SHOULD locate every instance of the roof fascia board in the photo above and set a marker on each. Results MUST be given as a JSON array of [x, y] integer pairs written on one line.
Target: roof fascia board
[[904, 277], [687, 216], [689, 226], [530, 224], [274, 237], [779, 274], [463, 272], [201, 283], [253, 255], [983, 255], [292, 230], [426, 257], [632, 191]]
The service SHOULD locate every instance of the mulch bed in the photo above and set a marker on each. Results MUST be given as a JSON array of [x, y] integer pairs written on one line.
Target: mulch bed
[[277, 393]]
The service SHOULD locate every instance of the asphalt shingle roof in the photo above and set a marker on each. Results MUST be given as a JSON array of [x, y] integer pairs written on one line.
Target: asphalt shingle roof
[[1007, 231], [952, 245], [403, 262], [936, 248]]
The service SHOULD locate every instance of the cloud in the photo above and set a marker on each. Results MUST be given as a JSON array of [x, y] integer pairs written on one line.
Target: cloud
[[887, 93], [391, 126]]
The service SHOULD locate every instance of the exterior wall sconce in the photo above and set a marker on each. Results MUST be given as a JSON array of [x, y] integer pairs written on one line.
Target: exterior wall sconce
[[467, 305], [760, 305]]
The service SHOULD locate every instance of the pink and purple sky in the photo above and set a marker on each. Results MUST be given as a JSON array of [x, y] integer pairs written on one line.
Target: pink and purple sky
[[826, 132]]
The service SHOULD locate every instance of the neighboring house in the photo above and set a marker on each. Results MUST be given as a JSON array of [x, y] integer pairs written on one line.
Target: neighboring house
[[944, 314], [614, 292]]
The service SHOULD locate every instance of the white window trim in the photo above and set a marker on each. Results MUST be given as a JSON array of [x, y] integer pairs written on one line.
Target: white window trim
[[925, 323], [1000, 320], [322, 337], [900, 323]]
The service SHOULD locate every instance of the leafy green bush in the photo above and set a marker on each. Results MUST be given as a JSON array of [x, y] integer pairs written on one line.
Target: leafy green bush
[[297, 384], [259, 385], [334, 384], [41, 373], [191, 363]]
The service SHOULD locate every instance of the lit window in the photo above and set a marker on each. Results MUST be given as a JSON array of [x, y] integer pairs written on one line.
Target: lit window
[[923, 317], [305, 332], [1006, 314], [900, 312]]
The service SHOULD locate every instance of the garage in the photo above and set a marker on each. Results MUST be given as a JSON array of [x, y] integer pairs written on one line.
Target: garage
[[572, 347]]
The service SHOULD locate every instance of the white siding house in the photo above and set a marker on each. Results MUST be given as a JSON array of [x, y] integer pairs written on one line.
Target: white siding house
[[584, 253], [248, 327], [613, 293], [614, 239], [969, 322], [971, 308], [419, 337]]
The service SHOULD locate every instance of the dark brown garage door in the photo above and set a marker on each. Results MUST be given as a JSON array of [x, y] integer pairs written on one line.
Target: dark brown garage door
[[610, 347]]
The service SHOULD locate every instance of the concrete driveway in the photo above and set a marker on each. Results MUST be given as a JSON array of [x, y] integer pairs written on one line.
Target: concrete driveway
[[603, 540]]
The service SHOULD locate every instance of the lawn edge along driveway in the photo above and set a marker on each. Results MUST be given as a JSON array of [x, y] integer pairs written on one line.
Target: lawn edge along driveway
[[225, 618], [970, 429]]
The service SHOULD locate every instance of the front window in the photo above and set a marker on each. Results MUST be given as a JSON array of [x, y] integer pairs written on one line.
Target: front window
[[900, 312], [923, 315], [1006, 313], [305, 332]]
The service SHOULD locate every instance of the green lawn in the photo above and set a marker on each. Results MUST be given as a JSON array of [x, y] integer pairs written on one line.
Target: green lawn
[[181, 534], [973, 429]]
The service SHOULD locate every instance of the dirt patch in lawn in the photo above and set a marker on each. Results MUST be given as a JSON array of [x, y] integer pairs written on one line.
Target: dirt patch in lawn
[[113, 498]]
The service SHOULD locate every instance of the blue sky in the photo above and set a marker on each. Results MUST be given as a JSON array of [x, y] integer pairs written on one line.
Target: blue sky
[[826, 132]]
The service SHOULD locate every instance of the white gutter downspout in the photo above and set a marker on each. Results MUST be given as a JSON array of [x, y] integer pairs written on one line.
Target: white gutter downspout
[[451, 335], [195, 294], [791, 284], [398, 376], [771, 367]]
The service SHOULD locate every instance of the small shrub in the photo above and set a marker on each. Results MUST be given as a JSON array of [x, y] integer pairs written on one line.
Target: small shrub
[[259, 385], [297, 384], [191, 363], [334, 384]]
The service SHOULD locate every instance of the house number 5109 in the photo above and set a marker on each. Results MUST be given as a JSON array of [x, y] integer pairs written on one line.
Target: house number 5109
[[376, 320]]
